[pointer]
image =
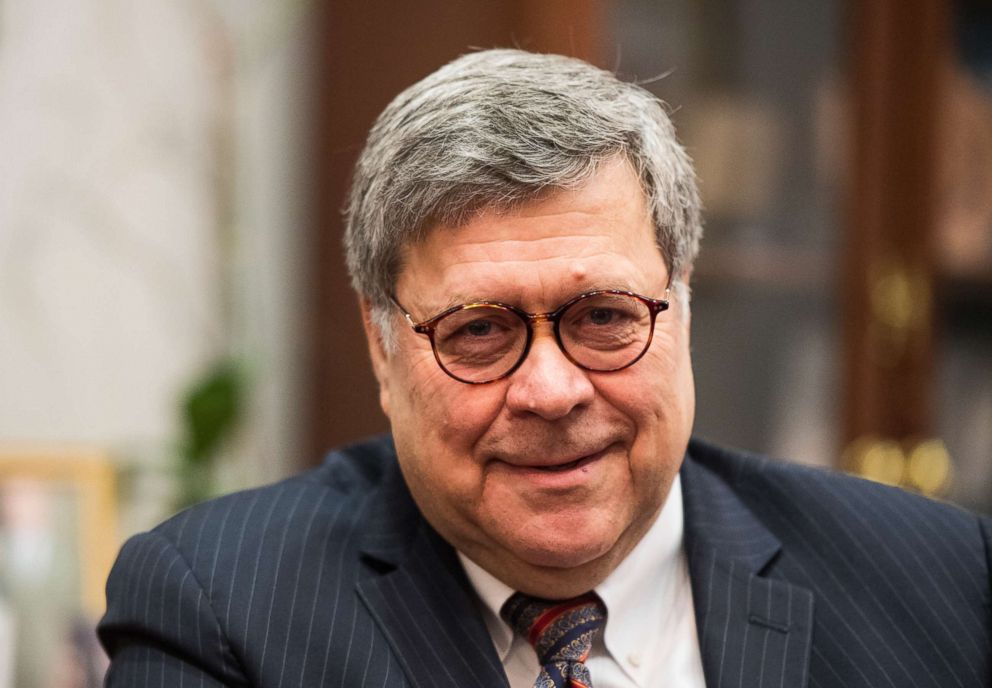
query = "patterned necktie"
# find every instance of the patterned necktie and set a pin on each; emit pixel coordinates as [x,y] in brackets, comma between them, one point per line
[561,631]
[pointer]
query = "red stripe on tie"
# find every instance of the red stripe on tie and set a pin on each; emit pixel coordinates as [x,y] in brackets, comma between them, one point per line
[548,617]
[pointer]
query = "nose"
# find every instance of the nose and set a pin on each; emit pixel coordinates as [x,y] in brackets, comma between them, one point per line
[547,384]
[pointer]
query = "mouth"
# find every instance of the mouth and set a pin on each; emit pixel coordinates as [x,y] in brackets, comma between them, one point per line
[562,467]
[553,473]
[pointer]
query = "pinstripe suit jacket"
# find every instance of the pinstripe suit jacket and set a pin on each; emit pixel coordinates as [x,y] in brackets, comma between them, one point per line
[333,578]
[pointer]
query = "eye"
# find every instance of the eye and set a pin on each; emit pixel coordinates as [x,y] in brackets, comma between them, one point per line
[478,328]
[601,316]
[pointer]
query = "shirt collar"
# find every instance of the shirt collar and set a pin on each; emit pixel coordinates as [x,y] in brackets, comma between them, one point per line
[494,593]
[643,576]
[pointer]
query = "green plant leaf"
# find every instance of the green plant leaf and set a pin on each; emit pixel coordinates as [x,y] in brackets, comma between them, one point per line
[211,410]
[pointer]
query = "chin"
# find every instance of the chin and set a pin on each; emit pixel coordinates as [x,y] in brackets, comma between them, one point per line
[560,560]
[560,550]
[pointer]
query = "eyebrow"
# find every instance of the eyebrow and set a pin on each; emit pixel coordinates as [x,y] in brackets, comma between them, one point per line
[462,299]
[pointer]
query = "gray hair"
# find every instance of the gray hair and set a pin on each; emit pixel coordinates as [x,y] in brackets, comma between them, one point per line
[494,129]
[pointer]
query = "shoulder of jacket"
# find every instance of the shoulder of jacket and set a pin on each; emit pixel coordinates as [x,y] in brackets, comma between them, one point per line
[333,495]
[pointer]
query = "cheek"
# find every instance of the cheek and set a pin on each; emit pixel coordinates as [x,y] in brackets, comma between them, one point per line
[670,369]
[437,414]
[657,395]
[468,415]
[654,388]
[436,423]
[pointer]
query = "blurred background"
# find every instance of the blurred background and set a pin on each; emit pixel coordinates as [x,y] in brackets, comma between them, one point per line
[176,320]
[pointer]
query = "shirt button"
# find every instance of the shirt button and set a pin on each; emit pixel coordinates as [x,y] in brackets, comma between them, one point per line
[634,659]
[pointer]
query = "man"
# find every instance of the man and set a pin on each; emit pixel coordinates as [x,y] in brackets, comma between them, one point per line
[521,232]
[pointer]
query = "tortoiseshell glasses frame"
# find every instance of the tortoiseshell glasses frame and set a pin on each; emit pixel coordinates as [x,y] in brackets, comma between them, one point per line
[609,300]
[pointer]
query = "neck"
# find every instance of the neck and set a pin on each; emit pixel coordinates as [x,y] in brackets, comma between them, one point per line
[552,582]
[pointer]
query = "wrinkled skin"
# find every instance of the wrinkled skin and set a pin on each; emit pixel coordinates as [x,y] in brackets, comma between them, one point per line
[475,456]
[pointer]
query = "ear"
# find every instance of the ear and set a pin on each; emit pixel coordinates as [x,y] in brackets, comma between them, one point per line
[685,301]
[378,354]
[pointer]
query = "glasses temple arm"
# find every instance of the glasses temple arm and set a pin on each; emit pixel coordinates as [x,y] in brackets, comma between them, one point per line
[406,314]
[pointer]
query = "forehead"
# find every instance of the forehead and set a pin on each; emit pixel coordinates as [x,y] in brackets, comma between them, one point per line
[597,236]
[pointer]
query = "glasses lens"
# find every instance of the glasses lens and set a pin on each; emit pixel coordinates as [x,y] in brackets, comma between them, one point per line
[480,343]
[606,331]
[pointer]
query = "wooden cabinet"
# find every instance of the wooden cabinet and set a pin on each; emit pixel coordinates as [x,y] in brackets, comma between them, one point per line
[842,303]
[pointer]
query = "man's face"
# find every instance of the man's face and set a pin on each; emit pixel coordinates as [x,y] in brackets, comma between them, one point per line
[480,459]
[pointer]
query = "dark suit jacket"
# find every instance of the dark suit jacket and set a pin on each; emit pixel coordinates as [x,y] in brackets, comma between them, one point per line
[333,578]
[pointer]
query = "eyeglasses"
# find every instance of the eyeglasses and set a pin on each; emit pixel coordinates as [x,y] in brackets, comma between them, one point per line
[602,331]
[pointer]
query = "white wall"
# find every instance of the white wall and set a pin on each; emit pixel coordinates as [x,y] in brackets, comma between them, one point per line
[113,257]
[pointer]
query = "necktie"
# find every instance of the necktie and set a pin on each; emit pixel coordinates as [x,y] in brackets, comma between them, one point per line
[561,632]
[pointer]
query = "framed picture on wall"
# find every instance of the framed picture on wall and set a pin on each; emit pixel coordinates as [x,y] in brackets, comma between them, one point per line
[58,526]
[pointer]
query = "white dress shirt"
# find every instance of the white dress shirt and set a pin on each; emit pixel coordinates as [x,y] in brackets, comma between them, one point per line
[650,637]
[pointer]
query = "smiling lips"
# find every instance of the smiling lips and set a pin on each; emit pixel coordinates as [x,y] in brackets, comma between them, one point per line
[567,466]
[556,467]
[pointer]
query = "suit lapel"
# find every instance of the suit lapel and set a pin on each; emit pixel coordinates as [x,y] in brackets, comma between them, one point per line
[422,601]
[754,630]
